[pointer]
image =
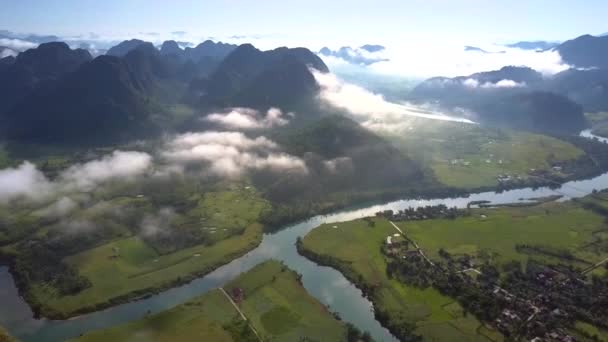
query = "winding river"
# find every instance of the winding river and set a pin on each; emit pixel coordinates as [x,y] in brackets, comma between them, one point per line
[326,284]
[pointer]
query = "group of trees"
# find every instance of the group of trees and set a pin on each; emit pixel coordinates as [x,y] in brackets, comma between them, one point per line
[440,211]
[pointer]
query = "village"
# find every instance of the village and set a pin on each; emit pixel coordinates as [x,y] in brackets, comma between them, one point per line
[537,304]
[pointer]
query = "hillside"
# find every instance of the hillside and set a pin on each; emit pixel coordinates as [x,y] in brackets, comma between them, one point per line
[515,97]
[36,68]
[585,52]
[250,77]
[104,100]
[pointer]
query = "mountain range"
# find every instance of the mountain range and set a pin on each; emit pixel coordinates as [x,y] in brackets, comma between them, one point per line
[63,95]
[54,93]
[519,97]
[537,45]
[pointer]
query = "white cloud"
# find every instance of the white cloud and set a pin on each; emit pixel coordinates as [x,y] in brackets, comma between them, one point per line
[429,59]
[504,84]
[118,165]
[59,208]
[473,83]
[24,181]
[470,83]
[27,182]
[158,224]
[339,165]
[248,119]
[8,52]
[229,154]
[17,44]
[372,110]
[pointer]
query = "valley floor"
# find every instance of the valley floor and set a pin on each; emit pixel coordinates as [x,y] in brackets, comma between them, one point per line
[267,303]
[567,234]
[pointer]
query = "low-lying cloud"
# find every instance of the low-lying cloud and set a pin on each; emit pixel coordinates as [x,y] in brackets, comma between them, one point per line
[473,83]
[249,119]
[27,182]
[230,154]
[118,165]
[372,110]
[17,44]
[159,224]
[23,181]
[424,60]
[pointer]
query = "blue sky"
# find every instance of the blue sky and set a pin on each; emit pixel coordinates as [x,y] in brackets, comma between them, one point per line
[314,22]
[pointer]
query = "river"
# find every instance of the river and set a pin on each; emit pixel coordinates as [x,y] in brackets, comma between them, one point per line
[326,284]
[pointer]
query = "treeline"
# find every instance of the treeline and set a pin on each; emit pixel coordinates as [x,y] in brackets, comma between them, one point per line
[428,212]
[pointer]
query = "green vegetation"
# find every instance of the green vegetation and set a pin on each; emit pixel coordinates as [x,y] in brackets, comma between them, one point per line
[586,331]
[355,249]
[5,337]
[472,156]
[274,302]
[118,247]
[494,234]
[566,235]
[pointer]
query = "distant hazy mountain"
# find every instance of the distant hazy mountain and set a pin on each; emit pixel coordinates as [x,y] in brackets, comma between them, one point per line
[124,47]
[474,48]
[41,38]
[539,45]
[170,47]
[250,77]
[517,97]
[372,48]
[469,48]
[104,100]
[209,48]
[363,55]
[587,87]
[36,67]
[54,94]
[585,51]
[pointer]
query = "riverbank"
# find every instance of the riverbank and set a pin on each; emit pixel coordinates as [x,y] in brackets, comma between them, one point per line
[111,291]
[406,311]
[265,303]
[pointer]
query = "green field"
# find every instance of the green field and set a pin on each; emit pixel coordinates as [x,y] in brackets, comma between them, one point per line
[5,337]
[585,332]
[471,156]
[356,248]
[492,234]
[274,302]
[565,233]
[129,266]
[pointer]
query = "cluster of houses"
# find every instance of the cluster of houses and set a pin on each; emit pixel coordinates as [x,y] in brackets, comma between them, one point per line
[535,315]
[506,178]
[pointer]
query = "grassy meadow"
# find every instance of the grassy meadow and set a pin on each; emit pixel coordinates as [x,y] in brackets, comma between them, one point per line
[274,302]
[471,156]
